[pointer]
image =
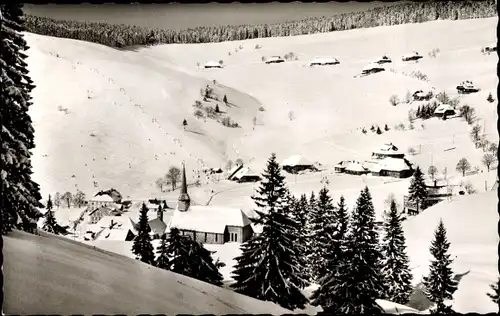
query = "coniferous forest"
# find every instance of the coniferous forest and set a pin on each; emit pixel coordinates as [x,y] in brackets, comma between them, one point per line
[127,35]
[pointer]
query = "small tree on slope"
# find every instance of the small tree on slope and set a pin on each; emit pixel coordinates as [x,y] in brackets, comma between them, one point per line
[322,230]
[50,225]
[496,292]
[395,262]
[20,197]
[142,247]
[439,285]
[269,267]
[418,191]
[162,261]
[190,258]
[334,257]
[299,214]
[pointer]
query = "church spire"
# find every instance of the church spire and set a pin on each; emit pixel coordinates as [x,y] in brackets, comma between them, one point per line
[184,200]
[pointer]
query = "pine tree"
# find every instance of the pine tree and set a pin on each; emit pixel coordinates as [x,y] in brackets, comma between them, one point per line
[322,230]
[225,99]
[395,262]
[50,225]
[162,260]
[358,281]
[190,258]
[417,190]
[334,256]
[271,267]
[496,292]
[217,108]
[142,247]
[20,198]
[440,285]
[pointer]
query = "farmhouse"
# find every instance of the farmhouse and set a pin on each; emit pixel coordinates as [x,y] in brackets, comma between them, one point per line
[209,224]
[355,168]
[384,60]
[97,214]
[393,167]
[274,60]
[387,150]
[120,228]
[212,64]
[246,175]
[297,163]
[444,110]
[413,56]
[324,61]
[340,167]
[232,172]
[420,95]
[372,68]
[100,200]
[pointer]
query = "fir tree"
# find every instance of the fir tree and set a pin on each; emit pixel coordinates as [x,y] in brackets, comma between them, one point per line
[190,258]
[418,114]
[20,198]
[496,292]
[418,190]
[162,260]
[358,282]
[142,247]
[322,230]
[271,266]
[217,108]
[50,225]
[334,257]
[224,99]
[395,262]
[440,285]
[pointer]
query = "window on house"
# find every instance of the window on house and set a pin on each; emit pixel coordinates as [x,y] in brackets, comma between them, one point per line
[216,237]
[206,237]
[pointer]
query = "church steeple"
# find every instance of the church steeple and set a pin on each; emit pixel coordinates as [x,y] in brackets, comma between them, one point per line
[184,200]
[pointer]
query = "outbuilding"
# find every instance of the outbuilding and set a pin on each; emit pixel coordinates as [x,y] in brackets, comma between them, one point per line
[297,163]
[212,64]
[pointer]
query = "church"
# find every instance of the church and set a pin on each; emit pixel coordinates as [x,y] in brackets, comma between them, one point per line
[209,224]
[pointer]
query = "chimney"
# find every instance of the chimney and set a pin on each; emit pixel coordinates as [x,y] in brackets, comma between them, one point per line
[435,183]
[160,213]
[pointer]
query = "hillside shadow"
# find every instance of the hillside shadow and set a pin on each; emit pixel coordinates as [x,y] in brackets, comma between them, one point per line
[195,132]
[134,48]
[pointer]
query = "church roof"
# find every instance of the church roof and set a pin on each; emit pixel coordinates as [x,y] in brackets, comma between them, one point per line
[209,219]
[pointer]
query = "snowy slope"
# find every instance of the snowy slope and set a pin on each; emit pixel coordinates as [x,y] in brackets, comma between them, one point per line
[114,142]
[51,275]
[471,227]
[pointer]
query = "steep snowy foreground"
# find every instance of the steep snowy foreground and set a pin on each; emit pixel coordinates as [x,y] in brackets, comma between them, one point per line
[53,275]
[123,126]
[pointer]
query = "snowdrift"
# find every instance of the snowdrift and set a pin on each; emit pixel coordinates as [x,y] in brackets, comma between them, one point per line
[51,275]
[471,224]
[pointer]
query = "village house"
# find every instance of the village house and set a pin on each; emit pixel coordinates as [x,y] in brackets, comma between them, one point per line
[233,171]
[274,60]
[100,201]
[97,214]
[209,224]
[117,228]
[444,110]
[355,168]
[246,174]
[212,64]
[392,167]
[323,61]
[297,163]
[387,150]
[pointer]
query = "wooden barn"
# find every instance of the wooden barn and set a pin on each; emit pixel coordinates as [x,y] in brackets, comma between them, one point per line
[297,163]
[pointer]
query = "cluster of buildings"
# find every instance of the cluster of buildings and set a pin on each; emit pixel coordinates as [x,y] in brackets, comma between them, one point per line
[387,161]
[109,220]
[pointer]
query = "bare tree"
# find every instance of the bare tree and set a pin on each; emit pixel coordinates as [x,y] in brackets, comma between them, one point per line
[468,113]
[463,166]
[221,62]
[394,100]
[291,115]
[229,164]
[469,188]
[476,133]
[493,149]
[68,198]
[412,151]
[432,171]
[408,96]
[79,199]
[487,160]
[239,162]
[254,121]
[172,176]
[161,183]
[57,199]
[391,197]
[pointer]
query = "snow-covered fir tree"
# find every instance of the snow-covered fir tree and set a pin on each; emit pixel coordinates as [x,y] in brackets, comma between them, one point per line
[162,260]
[325,296]
[440,284]
[311,218]
[417,191]
[322,230]
[358,281]
[190,258]
[20,198]
[395,262]
[50,224]
[142,247]
[301,215]
[270,267]
[496,292]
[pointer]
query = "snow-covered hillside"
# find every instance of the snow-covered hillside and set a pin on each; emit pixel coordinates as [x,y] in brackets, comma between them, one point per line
[123,126]
[53,275]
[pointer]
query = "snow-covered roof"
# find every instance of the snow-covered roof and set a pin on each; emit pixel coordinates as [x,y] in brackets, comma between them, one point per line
[395,308]
[354,166]
[414,54]
[443,108]
[102,198]
[245,171]
[324,60]
[372,166]
[210,219]
[233,171]
[122,222]
[296,160]
[157,226]
[372,66]
[394,164]
[274,58]
[212,63]
[387,149]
